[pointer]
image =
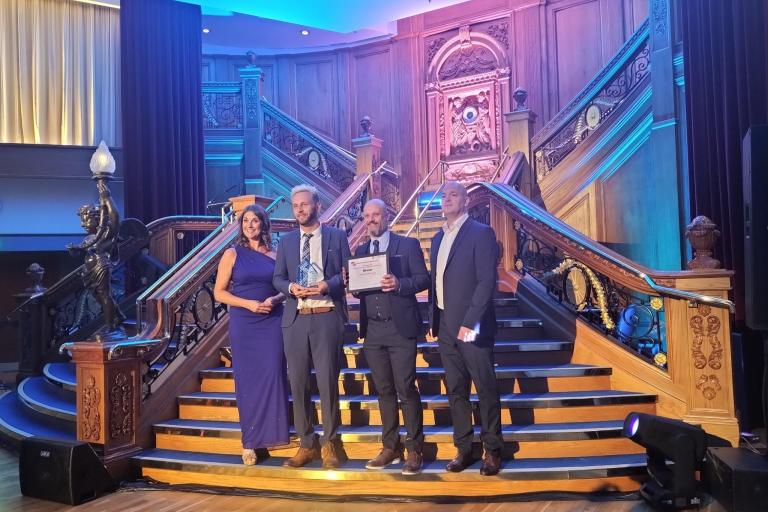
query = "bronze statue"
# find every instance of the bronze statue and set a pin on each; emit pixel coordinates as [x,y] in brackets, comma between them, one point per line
[101,222]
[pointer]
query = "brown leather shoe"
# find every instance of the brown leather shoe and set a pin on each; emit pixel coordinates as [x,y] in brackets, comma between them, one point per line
[384,459]
[334,455]
[459,463]
[303,457]
[412,464]
[491,464]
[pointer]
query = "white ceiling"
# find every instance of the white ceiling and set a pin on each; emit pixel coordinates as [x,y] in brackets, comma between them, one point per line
[274,26]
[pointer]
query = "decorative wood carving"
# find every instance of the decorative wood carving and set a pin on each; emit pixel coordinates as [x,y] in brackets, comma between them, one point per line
[659,14]
[90,422]
[433,47]
[706,329]
[500,32]
[121,421]
[467,91]
[709,386]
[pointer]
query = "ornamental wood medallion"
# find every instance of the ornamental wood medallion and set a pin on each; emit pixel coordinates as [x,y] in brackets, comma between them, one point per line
[121,406]
[90,424]
[467,88]
[706,328]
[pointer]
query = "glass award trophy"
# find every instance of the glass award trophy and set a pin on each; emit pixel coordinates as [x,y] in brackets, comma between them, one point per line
[308,274]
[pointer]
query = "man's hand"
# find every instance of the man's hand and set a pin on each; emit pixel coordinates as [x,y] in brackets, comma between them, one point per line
[322,288]
[389,283]
[345,276]
[466,334]
[301,292]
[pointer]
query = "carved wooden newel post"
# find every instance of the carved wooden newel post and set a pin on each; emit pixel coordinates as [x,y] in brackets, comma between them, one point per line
[108,398]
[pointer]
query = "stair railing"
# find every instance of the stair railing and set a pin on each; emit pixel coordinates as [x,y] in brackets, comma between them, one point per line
[594,104]
[504,158]
[67,312]
[315,155]
[439,167]
[670,328]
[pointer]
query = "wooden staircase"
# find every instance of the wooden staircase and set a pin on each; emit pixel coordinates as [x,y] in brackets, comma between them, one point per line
[562,427]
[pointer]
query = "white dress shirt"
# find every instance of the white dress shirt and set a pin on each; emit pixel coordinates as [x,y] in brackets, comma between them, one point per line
[316,258]
[449,236]
[383,242]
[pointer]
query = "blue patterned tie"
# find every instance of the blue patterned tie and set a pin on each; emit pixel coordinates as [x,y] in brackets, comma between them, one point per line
[305,261]
[375,247]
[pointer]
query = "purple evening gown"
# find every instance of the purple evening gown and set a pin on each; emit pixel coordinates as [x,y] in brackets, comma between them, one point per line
[258,361]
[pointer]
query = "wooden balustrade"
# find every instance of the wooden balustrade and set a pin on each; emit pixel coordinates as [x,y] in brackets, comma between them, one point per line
[695,383]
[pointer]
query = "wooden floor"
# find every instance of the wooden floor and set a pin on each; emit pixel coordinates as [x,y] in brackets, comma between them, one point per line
[167,501]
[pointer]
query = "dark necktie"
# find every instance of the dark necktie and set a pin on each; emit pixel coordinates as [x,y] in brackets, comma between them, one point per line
[375,247]
[305,261]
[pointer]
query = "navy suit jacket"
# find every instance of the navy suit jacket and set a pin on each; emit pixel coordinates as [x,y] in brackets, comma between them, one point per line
[336,253]
[468,282]
[406,262]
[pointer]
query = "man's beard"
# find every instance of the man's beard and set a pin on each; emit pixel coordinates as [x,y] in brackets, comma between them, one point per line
[311,219]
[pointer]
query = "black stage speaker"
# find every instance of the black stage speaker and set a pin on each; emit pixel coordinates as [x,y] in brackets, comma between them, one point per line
[755,183]
[64,471]
[738,479]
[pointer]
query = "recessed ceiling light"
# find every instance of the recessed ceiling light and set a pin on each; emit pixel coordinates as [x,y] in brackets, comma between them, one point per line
[206,30]
[304,32]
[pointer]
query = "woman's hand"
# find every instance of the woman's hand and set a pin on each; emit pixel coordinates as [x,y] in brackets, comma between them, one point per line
[260,307]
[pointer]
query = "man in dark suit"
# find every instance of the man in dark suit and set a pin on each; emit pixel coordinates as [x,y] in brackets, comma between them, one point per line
[313,324]
[390,322]
[463,259]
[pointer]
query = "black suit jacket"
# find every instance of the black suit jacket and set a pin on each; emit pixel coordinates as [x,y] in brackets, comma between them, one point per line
[406,262]
[468,282]
[336,253]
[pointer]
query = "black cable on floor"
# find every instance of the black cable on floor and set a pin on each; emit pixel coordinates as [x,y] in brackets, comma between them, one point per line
[151,485]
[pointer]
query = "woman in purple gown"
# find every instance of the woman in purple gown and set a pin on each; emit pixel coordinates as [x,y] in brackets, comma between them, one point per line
[244,282]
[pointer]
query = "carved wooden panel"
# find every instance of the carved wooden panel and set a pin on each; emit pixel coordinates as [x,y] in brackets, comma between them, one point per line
[372,88]
[638,10]
[315,87]
[575,55]
[527,61]
[580,213]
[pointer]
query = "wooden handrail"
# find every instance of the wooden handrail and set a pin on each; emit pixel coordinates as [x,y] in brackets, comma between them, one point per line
[589,91]
[497,171]
[580,247]
[349,194]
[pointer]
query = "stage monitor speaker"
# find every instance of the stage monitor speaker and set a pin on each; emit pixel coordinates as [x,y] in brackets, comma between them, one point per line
[755,184]
[64,471]
[738,479]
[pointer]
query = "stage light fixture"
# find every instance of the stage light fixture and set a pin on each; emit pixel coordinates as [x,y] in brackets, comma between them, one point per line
[206,30]
[666,440]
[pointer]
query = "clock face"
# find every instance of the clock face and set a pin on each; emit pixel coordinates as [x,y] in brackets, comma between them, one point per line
[313,159]
[202,310]
[576,287]
[592,116]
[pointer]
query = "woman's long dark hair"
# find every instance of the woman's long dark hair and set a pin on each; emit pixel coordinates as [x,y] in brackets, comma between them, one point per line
[265,237]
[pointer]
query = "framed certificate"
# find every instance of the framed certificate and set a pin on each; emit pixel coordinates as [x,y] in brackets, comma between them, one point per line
[366,272]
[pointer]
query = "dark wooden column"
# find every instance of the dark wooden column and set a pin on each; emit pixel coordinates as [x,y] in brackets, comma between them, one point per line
[108,400]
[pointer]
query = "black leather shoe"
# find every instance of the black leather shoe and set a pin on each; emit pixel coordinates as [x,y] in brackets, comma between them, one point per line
[491,464]
[459,463]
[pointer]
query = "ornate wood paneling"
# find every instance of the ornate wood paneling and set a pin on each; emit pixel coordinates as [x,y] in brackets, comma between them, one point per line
[315,86]
[372,87]
[575,54]
[552,49]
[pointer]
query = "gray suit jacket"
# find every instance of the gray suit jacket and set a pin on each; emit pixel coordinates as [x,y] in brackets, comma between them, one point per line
[335,256]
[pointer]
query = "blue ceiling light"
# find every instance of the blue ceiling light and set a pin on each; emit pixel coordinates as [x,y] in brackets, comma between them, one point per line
[338,15]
